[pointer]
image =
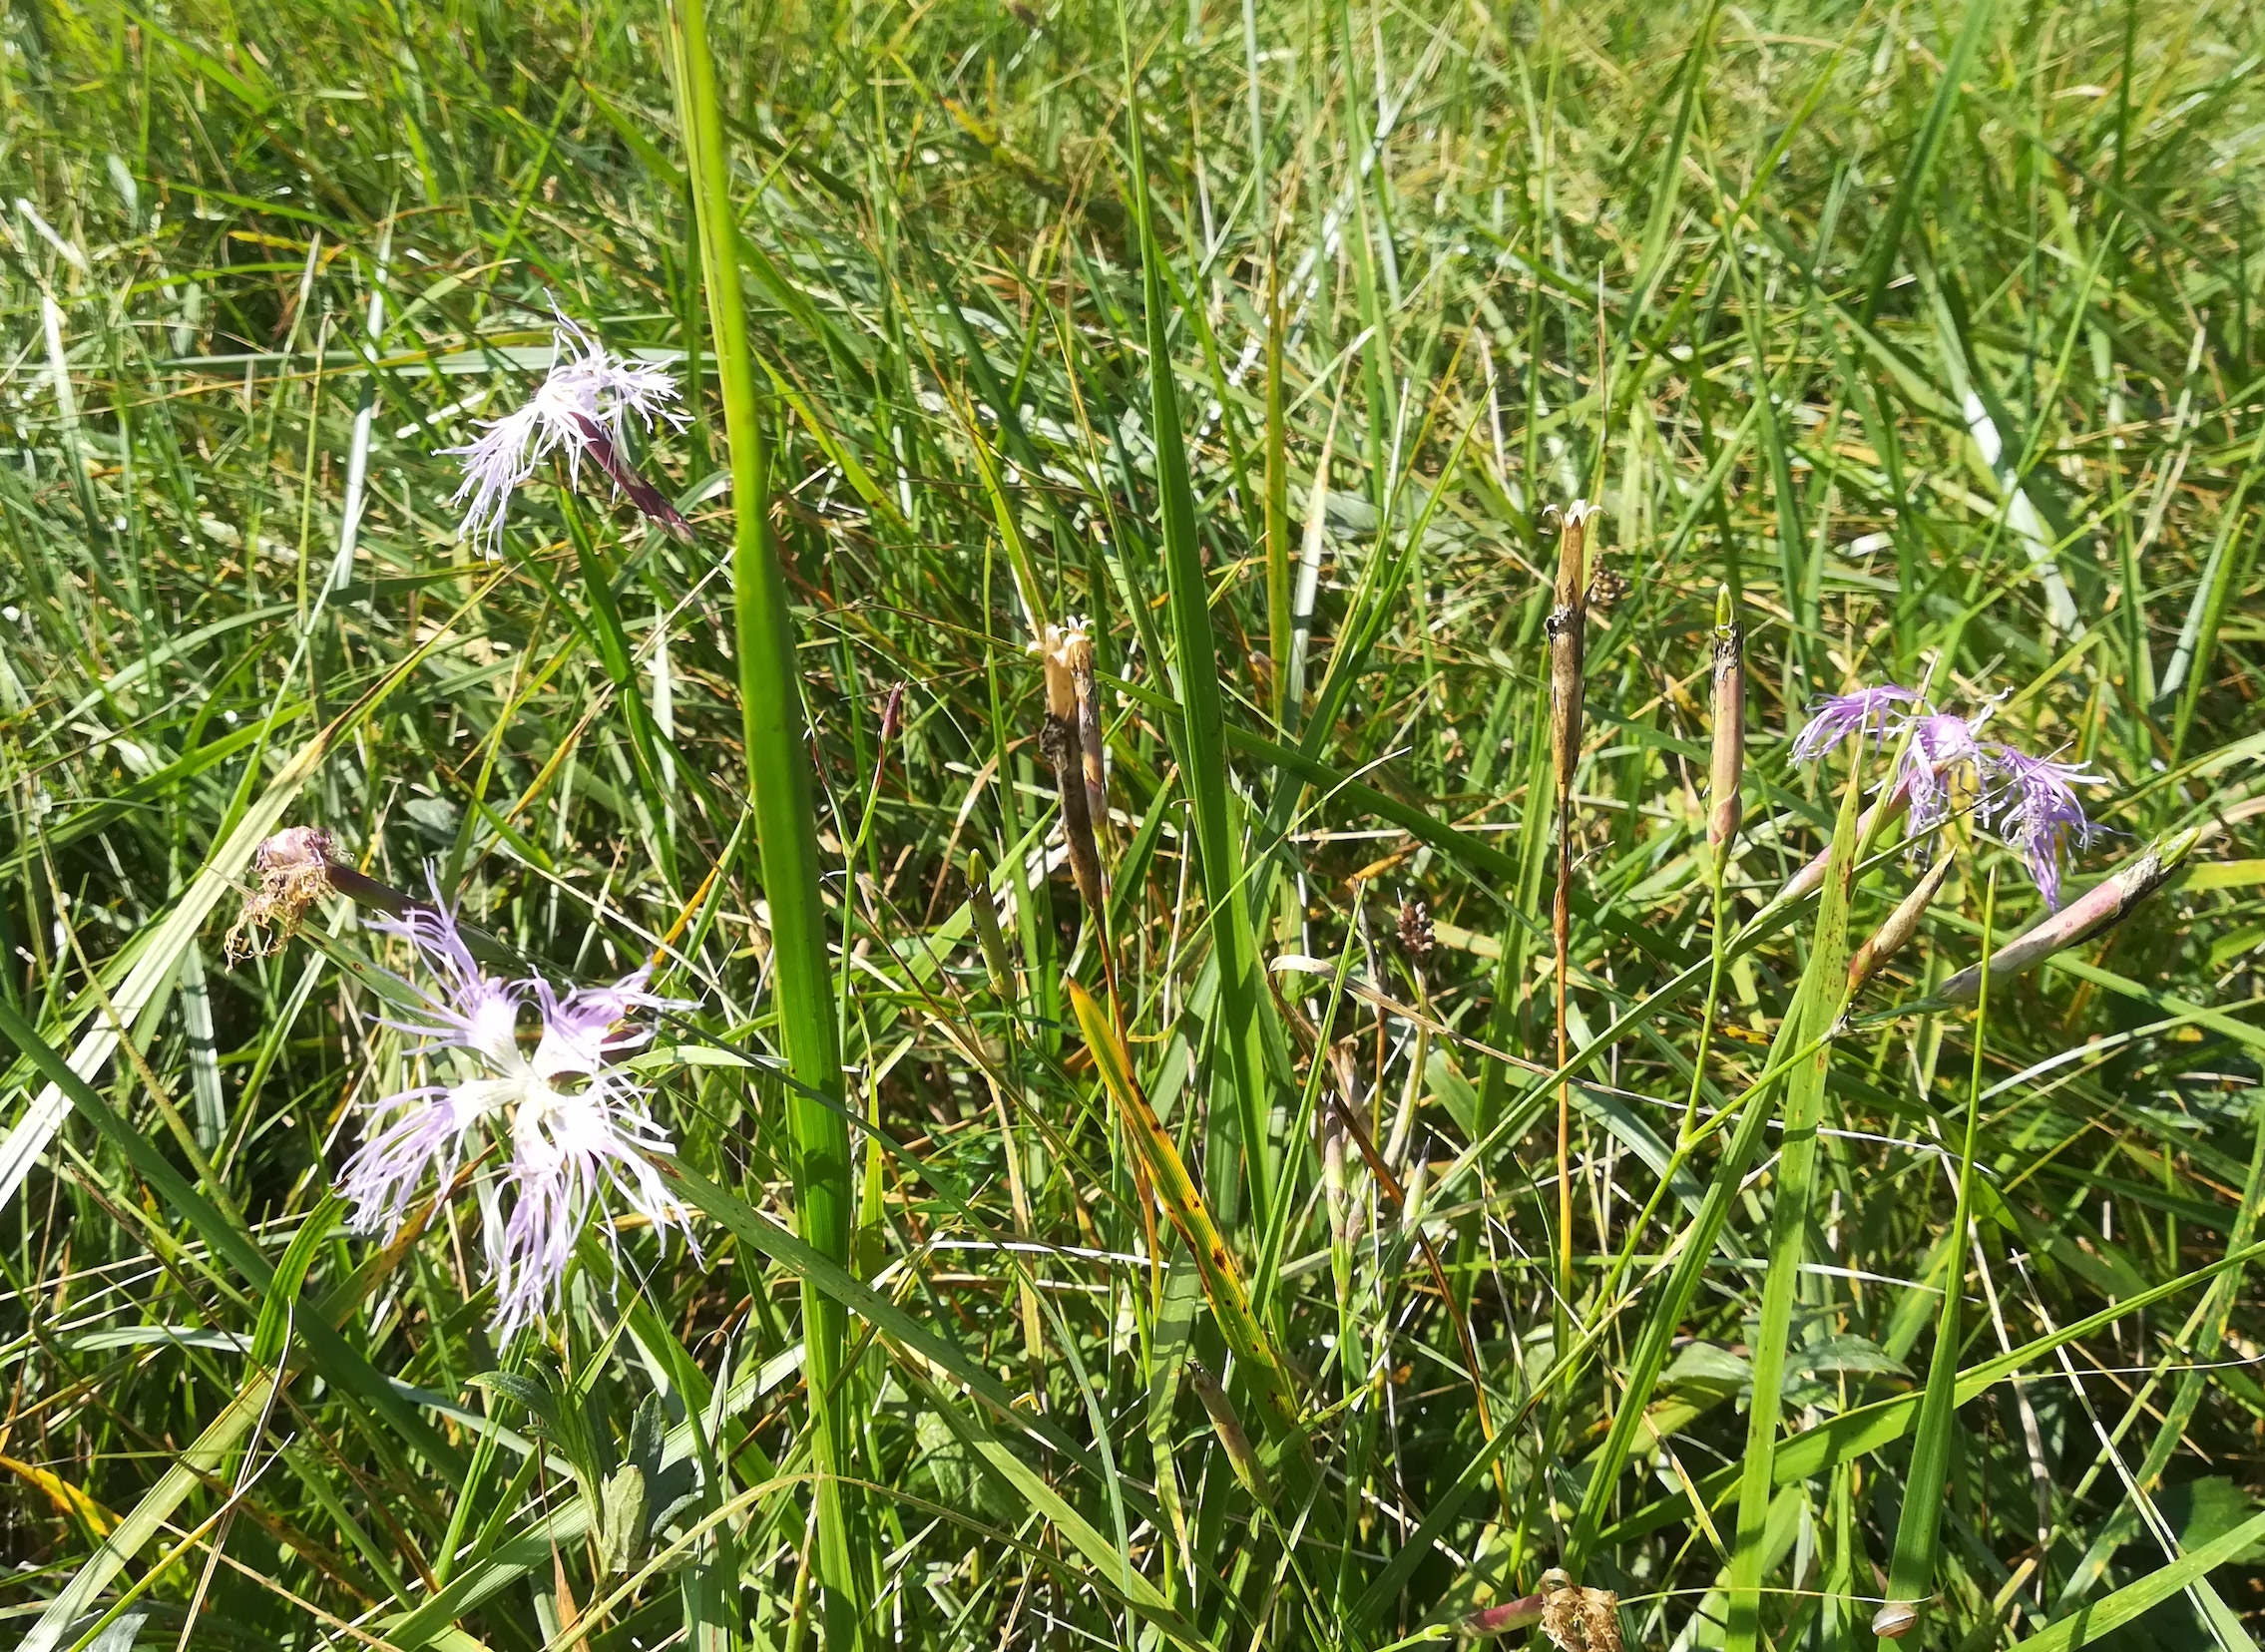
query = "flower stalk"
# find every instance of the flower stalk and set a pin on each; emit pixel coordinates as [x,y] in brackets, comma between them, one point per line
[1726,775]
[1568,627]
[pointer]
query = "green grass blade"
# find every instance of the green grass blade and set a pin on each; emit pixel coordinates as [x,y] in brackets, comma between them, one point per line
[1196,673]
[780,788]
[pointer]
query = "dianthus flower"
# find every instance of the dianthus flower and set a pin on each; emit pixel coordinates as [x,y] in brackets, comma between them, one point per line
[572,1117]
[1942,744]
[1839,716]
[2038,812]
[581,408]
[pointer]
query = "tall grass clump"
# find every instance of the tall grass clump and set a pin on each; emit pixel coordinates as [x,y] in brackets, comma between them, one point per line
[1207,826]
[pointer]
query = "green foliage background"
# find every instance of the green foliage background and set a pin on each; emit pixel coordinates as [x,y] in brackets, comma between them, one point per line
[1928,330]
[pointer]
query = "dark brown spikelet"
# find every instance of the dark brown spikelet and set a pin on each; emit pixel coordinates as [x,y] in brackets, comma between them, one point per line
[1416,938]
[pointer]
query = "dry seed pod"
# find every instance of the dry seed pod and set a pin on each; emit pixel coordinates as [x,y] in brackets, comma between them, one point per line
[1895,1620]
[1061,651]
[1568,627]
[1077,653]
[1730,724]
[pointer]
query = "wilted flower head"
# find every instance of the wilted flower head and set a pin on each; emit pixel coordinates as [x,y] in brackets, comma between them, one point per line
[1837,716]
[581,408]
[1942,744]
[295,873]
[2038,812]
[571,1118]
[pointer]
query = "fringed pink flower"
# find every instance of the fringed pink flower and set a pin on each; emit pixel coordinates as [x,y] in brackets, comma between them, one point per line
[581,409]
[1865,710]
[2030,802]
[2039,813]
[573,1118]
[1942,745]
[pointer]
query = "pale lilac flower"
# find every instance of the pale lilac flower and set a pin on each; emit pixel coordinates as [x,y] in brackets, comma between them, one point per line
[1840,716]
[581,408]
[573,1118]
[1941,744]
[2038,812]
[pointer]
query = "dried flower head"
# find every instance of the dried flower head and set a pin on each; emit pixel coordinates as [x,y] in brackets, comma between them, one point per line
[581,408]
[295,873]
[1577,1619]
[1872,710]
[2038,812]
[570,1117]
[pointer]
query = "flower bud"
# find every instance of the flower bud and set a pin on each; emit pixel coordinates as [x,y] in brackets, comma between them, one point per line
[1228,1426]
[1903,923]
[1505,1617]
[1730,724]
[984,914]
[2108,902]
[1568,627]
[1067,656]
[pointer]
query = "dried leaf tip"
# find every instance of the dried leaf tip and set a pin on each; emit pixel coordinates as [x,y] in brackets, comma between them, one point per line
[1729,764]
[295,867]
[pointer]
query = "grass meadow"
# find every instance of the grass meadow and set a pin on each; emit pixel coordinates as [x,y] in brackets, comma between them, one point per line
[1332,1104]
